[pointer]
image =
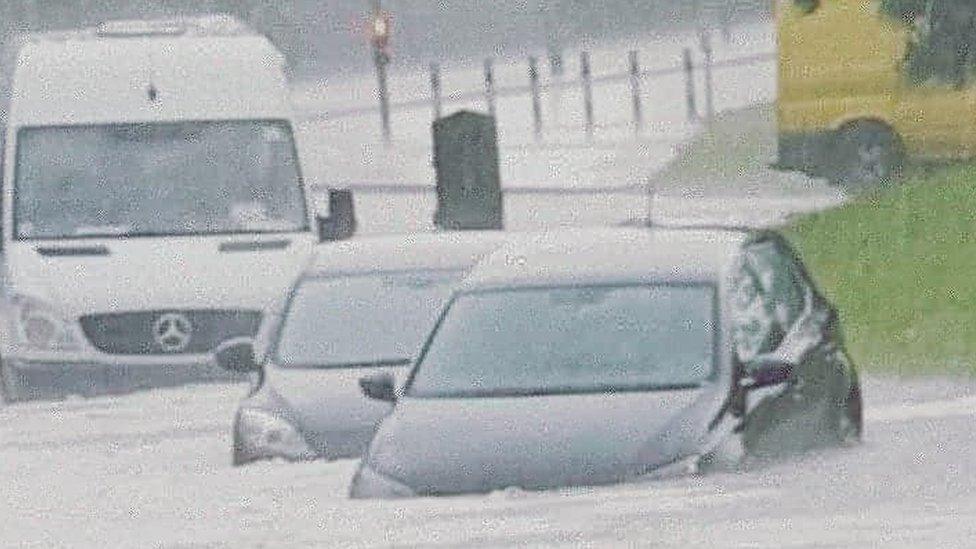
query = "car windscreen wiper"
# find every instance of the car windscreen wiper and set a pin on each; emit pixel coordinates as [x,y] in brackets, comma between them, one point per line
[102,230]
[380,363]
[566,390]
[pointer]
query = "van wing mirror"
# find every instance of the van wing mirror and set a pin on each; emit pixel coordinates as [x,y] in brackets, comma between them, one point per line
[341,222]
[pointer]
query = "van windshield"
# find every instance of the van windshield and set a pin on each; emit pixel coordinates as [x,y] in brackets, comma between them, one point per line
[152,179]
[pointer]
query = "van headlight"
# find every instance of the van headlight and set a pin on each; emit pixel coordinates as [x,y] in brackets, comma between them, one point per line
[369,484]
[260,434]
[35,325]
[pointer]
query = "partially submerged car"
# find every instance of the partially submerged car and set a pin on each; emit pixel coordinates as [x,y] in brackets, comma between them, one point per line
[588,358]
[364,306]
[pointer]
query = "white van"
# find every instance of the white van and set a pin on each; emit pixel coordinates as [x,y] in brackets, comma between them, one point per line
[153,204]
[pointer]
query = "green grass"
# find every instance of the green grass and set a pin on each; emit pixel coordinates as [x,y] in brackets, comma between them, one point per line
[900,264]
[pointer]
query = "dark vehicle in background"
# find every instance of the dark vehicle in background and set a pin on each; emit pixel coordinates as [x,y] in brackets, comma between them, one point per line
[364,307]
[865,86]
[586,358]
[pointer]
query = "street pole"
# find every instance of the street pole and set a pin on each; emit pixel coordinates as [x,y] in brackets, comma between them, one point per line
[380,60]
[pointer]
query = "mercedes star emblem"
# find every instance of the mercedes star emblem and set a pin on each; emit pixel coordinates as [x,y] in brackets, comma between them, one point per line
[173,332]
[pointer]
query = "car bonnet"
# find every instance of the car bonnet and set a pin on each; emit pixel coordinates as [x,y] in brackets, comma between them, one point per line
[457,445]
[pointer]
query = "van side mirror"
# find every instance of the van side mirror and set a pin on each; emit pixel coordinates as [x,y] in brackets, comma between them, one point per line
[237,355]
[341,222]
[379,387]
[766,371]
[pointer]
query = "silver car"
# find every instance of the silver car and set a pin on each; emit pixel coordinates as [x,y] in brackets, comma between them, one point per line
[604,356]
[363,307]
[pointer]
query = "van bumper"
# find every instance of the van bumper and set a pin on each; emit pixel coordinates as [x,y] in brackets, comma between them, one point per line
[807,152]
[31,379]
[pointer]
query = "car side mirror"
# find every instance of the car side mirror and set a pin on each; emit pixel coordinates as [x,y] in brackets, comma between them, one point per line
[379,387]
[237,355]
[766,371]
[341,222]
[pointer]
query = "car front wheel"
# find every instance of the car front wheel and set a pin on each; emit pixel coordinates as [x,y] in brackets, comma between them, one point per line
[850,420]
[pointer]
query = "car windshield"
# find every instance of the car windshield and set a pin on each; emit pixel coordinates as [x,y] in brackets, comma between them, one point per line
[571,340]
[157,179]
[362,320]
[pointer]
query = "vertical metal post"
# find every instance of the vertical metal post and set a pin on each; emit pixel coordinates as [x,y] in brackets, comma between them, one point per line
[706,45]
[651,204]
[728,18]
[586,78]
[697,14]
[435,89]
[635,76]
[382,92]
[554,88]
[30,16]
[490,88]
[690,86]
[536,105]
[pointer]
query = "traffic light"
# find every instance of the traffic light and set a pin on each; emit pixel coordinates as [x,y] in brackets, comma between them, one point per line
[380,28]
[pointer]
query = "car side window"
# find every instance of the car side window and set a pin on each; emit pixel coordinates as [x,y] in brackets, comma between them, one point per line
[769,295]
[784,279]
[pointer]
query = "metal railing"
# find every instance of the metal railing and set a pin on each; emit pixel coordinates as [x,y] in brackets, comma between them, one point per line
[637,76]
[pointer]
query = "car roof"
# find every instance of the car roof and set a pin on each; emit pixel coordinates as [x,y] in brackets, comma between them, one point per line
[613,255]
[448,250]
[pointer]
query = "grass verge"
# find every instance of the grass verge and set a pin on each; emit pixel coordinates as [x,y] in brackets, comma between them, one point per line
[900,264]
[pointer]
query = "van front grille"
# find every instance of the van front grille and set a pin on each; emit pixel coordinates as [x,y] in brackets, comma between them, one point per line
[168,332]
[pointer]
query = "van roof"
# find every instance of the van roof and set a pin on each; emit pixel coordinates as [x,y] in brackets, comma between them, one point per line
[207,68]
[206,25]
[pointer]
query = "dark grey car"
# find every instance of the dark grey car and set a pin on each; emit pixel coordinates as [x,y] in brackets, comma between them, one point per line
[596,357]
[364,306]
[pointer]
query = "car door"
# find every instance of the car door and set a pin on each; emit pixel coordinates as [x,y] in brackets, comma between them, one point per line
[777,312]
